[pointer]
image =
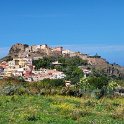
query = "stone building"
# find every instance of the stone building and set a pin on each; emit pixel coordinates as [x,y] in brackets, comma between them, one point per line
[58,50]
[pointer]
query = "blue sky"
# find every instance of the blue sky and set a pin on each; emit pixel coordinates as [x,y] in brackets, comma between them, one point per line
[89,26]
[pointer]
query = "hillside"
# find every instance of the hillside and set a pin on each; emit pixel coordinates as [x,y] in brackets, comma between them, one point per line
[96,63]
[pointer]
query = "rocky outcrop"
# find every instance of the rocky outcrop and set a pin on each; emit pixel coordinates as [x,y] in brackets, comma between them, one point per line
[24,50]
[17,49]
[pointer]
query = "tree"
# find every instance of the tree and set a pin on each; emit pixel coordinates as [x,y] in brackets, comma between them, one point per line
[43,63]
[91,83]
[111,86]
[84,84]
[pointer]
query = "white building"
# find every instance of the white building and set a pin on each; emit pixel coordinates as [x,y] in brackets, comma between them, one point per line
[67,52]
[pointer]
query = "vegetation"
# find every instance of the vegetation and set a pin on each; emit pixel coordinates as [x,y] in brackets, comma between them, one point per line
[94,82]
[60,110]
[89,100]
[68,65]
[50,102]
[85,86]
[43,63]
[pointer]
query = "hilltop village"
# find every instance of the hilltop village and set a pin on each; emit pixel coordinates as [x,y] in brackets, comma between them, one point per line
[21,63]
[22,56]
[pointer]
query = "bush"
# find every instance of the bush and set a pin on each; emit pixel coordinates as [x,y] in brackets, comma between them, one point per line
[9,90]
[119,113]
[77,114]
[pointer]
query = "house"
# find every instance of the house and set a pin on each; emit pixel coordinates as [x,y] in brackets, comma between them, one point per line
[23,67]
[56,63]
[67,52]
[46,74]
[57,75]
[4,64]
[86,72]
[67,83]
[17,66]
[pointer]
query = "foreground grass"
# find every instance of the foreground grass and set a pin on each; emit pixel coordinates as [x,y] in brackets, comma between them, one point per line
[60,110]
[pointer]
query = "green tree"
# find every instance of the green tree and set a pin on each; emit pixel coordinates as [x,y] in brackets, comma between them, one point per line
[91,83]
[111,86]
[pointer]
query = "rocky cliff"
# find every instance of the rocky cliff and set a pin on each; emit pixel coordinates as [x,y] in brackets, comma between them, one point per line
[17,49]
[24,50]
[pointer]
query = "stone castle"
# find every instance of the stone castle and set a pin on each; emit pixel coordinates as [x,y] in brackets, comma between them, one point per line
[34,51]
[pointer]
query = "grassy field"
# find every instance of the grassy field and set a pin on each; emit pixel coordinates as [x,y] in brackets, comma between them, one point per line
[60,110]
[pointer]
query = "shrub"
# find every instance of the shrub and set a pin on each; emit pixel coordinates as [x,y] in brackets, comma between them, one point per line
[89,103]
[119,113]
[9,90]
[111,87]
[77,114]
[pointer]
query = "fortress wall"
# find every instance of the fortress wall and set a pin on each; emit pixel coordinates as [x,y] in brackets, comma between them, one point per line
[35,48]
[58,49]
[43,46]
